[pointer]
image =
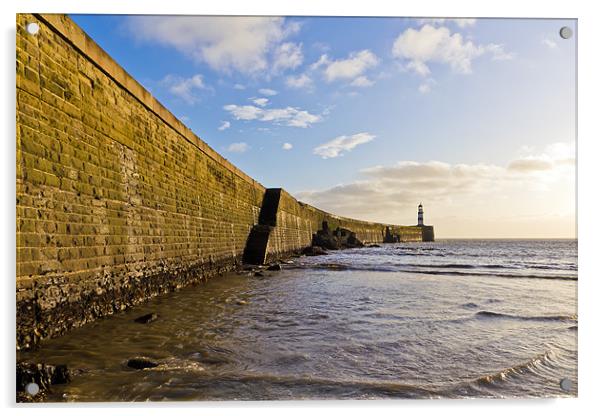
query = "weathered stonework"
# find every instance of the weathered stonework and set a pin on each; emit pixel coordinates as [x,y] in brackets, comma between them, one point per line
[117,201]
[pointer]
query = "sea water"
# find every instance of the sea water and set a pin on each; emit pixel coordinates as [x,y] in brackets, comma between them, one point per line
[449,319]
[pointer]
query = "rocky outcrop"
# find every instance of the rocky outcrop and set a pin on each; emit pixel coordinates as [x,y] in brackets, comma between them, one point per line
[336,239]
[42,376]
[390,237]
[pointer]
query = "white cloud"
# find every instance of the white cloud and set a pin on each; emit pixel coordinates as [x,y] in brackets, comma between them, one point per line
[289,116]
[362,82]
[225,125]
[268,92]
[238,147]
[262,102]
[292,116]
[184,88]
[320,62]
[287,146]
[498,53]
[464,199]
[554,155]
[239,87]
[344,69]
[301,81]
[335,147]
[434,173]
[549,43]
[225,43]
[287,56]
[426,86]
[439,45]
[244,112]
[465,22]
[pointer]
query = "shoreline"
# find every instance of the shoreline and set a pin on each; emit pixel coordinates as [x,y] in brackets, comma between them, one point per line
[227,325]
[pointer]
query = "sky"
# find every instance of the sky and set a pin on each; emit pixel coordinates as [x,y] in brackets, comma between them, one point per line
[368,117]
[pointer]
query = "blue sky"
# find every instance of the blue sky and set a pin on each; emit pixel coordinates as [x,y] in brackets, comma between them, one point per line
[367,117]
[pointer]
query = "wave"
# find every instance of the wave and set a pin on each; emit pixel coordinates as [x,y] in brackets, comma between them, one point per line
[419,268]
[464,266]
[509,275]
[410,248]
[530,366]
[545,267]
[423,254]
[485,266]
[561,318]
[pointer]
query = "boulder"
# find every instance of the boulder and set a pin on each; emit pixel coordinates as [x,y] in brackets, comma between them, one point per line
[274,267]
[335,240]
[146,319]
[140,363]
[325,240]
[352,241]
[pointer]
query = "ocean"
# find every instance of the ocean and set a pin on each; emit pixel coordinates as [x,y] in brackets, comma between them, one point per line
[449,319]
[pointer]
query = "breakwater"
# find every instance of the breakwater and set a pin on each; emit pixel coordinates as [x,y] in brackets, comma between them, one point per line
[118,201]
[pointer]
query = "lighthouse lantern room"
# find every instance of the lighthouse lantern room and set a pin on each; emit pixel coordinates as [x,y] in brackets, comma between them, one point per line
[420,215]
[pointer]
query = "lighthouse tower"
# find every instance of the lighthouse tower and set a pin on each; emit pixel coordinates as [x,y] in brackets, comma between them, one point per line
[420,215]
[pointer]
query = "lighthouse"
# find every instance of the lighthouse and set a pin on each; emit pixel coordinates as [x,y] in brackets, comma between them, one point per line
[420,215]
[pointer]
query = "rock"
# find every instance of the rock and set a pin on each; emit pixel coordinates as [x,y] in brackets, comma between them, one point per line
[373,245]
[352,241]
[258,274]
[140,363]
[242,302]
[147,319]
[390,237]
[24,397]
[274,267]
[44,375]
[314,251]
[61,375]
[325,240]
[335,240]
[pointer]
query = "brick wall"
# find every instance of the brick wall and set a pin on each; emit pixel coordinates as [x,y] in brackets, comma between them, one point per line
[297,222]
[112,191]
[117,201]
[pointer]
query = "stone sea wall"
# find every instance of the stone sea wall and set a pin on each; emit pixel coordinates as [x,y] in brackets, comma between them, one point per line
[297,222]
[117,201]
